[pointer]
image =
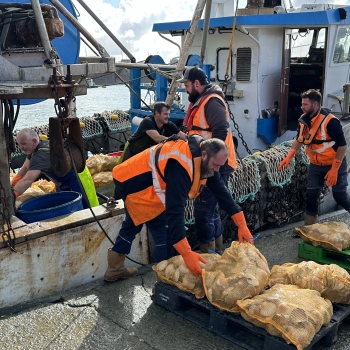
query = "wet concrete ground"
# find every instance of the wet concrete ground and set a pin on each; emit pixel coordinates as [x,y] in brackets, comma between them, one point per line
[121,315]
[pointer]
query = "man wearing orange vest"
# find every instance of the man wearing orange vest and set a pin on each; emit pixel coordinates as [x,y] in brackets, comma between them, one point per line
[161,179]
[326,146]
[208,116]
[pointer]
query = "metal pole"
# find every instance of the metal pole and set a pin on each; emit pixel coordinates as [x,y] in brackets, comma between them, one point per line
[111,35]
[205,29]
[101,50]
[346,102]
[49,53]
[145,65]
[4,173]
[88,45]
[173,42]
[186,48]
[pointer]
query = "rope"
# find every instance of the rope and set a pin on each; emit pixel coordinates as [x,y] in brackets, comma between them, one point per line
[231,41]
[132,90]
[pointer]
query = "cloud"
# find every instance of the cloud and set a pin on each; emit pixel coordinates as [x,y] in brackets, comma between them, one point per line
[132,23]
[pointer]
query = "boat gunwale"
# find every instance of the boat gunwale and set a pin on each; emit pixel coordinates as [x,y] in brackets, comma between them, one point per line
[28,232]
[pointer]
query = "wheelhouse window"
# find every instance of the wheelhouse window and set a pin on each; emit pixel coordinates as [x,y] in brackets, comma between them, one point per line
[342,46]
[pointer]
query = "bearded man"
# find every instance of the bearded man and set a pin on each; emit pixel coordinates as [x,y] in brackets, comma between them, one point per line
[322,134]
[155,185]
[208,116]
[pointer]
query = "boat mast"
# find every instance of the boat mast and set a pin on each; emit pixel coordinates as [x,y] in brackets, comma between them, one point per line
[186,48]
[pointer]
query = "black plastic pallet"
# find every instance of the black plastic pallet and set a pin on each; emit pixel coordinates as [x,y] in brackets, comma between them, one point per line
[235,328]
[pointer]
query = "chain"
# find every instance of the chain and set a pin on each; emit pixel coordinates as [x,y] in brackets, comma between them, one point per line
[237,128]
[62,105]
[5,220]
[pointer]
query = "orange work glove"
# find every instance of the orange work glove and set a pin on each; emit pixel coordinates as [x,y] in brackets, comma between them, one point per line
[191,258]
[332,175]
[15,179]
[285,162]
[243,230]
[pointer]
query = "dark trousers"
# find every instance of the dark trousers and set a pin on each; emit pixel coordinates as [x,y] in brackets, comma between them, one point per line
[158,229]
[207,216]
[315,184]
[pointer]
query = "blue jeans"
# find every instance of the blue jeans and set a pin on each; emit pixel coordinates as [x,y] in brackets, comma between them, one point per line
[315,183]
[207,216]
[158,229]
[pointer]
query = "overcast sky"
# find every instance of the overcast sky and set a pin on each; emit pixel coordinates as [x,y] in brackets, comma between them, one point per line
[131,22]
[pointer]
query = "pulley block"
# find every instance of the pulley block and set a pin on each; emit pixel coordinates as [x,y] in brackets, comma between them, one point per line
[66,146]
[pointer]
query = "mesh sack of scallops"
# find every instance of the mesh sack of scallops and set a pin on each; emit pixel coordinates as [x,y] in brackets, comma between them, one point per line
[241,273]
[174,271]
[332,281]
[101,162]
[104,178]
[37,188]
[289,312]
[331,235]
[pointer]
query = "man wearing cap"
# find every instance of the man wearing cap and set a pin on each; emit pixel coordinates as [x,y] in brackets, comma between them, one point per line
[208,116]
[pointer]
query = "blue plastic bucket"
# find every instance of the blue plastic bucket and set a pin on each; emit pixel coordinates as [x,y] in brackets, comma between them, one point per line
[49,206]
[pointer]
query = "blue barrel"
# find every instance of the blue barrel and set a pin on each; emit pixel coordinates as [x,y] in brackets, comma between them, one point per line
[49,206]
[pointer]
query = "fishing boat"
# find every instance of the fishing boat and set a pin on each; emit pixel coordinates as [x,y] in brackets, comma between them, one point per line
[91,83]
[262,85]
[273,55]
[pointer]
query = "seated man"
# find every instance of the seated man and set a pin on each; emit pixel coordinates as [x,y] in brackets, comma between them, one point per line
[151,131]
[38,161]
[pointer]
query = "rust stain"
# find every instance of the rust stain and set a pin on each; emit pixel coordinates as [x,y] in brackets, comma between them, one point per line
[90,244]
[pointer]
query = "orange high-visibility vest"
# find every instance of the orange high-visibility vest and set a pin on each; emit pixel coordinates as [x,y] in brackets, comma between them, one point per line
[149,201]
[201,127]
[319,145]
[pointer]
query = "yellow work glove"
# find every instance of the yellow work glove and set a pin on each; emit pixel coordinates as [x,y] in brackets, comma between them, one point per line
[243,230]
[16,179]
[285,162]
[191,258]
[332,175]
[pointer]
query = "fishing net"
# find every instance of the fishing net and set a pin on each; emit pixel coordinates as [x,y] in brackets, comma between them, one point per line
[332,281]
[115,120]
[189,218]
[289,312]
[332,235]
[241,273]
[174,271]
[244,182]
[271,159]
[91,128]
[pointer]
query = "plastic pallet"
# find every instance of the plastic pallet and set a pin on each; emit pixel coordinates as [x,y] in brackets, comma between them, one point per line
[235,328]
[324,256]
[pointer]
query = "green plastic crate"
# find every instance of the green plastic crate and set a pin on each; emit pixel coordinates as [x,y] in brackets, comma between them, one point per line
[324,256]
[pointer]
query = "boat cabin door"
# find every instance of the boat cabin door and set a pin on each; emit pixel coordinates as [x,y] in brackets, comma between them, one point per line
[303,65]
[284,84]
